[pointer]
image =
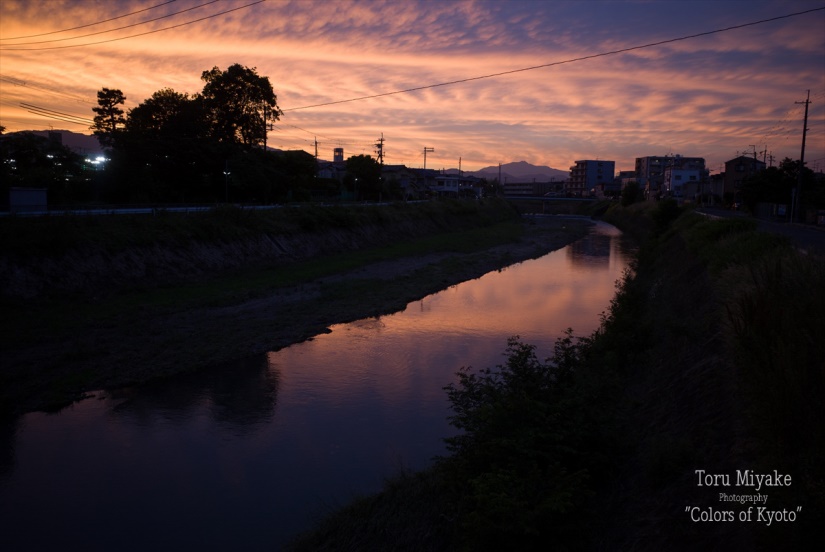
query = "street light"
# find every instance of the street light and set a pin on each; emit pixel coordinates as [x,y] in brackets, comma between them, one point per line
[226,174]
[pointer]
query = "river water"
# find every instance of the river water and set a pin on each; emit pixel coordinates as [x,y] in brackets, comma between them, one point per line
[245,456]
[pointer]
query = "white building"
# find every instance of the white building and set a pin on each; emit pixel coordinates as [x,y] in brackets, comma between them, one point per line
[682,183]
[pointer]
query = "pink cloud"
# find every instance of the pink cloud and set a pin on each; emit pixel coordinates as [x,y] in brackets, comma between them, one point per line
[715,94]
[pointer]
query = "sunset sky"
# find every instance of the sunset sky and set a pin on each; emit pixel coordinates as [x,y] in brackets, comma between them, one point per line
[713,96]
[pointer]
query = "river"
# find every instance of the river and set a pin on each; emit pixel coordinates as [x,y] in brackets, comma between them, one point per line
[244,456]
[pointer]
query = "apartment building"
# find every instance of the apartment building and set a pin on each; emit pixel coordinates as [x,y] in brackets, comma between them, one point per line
[650,171]
[589,176]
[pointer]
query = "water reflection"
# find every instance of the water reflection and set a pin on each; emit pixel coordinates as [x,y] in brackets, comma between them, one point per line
[238,396]
[245,456]
[602,249]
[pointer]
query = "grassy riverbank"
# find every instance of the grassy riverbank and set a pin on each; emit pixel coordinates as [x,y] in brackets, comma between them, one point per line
[54,235]
[56,348]
[710,358]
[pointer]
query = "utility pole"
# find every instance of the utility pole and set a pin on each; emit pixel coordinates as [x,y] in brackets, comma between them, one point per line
[426,149]
[267,127]
[425,156]
[379,150]
[797,202]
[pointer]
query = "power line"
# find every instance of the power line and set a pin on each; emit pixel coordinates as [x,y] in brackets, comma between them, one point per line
[780,130]
[89,24]
[134,35]
[117,28]
[552,64]
[317,135]
[18,82]
[58,118]
[58,115]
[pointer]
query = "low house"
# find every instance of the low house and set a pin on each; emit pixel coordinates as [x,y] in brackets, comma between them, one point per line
[406,180]
[737,170]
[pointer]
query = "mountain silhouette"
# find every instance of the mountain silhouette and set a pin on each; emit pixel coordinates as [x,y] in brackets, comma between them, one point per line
[522,171]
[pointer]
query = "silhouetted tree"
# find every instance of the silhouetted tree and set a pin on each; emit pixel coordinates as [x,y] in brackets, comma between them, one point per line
[166,140]
[631,193]
[237,101]
[168,113]
[177,147]
[109,119]
[365,173]
[777,185]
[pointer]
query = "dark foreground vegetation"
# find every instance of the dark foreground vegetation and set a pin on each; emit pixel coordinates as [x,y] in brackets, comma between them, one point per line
[709,358]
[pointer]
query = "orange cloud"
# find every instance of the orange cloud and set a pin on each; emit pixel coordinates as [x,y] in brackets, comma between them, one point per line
[711,96]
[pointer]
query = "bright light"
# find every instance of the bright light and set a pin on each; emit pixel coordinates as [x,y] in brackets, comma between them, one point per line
[99,160]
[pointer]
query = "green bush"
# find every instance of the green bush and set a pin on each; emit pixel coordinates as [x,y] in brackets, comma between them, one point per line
[631,194]
[521,466]
[665,213]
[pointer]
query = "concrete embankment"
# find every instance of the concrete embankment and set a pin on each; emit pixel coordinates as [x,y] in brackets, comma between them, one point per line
[110,253]
[57,345]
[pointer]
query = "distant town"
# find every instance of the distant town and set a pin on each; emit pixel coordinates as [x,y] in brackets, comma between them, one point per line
[680,177]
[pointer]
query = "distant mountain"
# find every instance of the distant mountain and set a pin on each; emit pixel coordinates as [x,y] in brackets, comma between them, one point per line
[522,171]
[84,144]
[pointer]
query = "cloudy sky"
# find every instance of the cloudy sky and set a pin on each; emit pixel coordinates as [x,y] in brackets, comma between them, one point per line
[486,82]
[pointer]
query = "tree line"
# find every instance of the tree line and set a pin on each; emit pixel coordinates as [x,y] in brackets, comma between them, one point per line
[174,147]
[204,147]
[778,185]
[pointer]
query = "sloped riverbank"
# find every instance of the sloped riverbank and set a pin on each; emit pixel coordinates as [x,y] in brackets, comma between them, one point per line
[707,364]
[94,256]
[56,349]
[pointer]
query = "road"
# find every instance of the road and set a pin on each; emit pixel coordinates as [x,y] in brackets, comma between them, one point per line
[806,237]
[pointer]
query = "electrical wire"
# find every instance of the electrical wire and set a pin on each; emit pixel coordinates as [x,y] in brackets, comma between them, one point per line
[50,112]
[555,63]
[7,48]
[117,28]
[781,128]
[90,24]
[53,112]
[18,82]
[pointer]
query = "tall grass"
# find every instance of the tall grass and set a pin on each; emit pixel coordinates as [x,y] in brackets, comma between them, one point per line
[776,323]
[711,355]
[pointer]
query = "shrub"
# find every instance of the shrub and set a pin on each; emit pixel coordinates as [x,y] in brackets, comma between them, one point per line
[520,467]
[666,212]
[631,194]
